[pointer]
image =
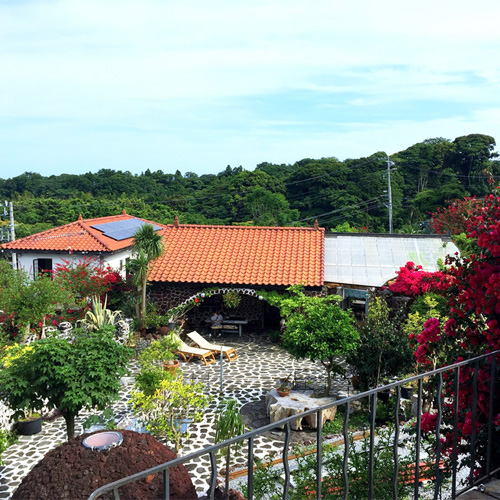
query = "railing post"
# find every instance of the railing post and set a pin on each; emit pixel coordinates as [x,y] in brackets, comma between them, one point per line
[373,407]
[437,486]
[250,469]
[286,465]
[395,444]
[213,474]
[474,430]
[166,484]
[454,451]
[346,450]
[493,374]
[418,438]
[319,452]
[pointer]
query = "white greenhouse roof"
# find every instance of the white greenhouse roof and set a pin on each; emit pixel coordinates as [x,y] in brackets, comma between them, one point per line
[373,259]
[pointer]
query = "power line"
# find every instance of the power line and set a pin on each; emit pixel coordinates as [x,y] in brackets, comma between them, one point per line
[343,209]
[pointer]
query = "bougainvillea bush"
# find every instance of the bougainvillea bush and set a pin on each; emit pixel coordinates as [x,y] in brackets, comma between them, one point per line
[471,286]
[84,279]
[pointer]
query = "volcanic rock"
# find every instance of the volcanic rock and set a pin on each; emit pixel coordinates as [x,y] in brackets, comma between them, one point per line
[73,472]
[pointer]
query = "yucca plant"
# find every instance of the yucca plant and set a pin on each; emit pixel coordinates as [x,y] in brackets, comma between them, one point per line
[228,424]
[100,315]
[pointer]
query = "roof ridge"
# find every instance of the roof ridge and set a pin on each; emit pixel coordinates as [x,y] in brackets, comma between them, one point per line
[217,226]
[38,236]
[119,216]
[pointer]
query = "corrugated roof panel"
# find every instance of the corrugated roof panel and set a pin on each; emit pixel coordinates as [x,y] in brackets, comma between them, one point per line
[374,259]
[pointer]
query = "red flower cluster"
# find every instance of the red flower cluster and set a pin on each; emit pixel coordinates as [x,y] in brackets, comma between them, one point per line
[87,277]
[428,422]
[413,281]
[454,219]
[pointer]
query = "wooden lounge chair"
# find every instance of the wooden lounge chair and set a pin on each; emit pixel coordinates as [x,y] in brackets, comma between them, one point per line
[229,352]
[188,353]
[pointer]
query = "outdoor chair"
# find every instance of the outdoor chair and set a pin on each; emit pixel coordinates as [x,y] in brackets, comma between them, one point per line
[229,352]
[188,353]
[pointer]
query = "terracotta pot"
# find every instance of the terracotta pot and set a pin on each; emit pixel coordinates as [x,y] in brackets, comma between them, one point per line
[171,367]
[284,393]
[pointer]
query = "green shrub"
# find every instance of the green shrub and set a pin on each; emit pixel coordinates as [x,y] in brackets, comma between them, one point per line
[7,439]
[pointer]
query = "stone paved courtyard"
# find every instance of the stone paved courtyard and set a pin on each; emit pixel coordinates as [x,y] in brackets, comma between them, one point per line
[256,371]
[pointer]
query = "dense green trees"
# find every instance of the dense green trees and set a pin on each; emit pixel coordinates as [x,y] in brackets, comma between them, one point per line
[429,174]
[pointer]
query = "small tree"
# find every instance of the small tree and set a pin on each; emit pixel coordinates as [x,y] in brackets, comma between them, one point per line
[316,328]
[228,424]
[172,402]
[68,376]
[383,349]
[28,302]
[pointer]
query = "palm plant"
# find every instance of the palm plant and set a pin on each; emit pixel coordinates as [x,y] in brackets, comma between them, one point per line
[148,246]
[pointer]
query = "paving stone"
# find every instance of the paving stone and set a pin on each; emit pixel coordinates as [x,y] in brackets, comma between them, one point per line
[259,366]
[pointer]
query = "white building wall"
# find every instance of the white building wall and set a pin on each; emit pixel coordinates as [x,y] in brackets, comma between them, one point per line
[115,260]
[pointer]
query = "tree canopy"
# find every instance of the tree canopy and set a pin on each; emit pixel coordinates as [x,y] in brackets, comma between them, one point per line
[428,174]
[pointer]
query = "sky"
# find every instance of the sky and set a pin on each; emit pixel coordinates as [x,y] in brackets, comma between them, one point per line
[198,85]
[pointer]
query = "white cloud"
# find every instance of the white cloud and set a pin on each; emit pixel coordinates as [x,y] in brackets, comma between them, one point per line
[148,66]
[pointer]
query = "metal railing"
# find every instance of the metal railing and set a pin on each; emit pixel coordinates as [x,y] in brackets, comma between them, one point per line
[453,378]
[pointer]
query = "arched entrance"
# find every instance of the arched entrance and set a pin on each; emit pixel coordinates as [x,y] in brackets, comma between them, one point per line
[252,308]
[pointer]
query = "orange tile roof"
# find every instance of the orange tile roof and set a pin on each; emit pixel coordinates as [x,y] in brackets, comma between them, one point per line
[241,255]
[77,236]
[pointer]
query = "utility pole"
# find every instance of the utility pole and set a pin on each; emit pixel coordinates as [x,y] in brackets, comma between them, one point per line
[12,233]
[389,192]
[9,234]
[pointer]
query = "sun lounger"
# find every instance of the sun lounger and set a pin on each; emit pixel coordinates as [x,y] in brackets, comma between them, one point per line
[188,353]
[229,352]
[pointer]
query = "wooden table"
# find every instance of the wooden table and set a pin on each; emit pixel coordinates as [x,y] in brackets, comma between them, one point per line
[237,322]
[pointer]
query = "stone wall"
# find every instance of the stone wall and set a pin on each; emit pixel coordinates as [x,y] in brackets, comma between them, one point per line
[166,296]
[5,414]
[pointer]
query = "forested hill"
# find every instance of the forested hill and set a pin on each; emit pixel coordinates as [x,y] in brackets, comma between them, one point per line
[337,193]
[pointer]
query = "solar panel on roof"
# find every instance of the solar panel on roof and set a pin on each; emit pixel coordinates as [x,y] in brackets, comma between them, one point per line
[123,229]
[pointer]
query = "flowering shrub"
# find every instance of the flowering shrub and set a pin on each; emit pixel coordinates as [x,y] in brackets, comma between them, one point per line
[454,218]
[471,286]
[83,280]
[86,278]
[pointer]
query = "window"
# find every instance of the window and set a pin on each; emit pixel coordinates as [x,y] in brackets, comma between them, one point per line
[42,266]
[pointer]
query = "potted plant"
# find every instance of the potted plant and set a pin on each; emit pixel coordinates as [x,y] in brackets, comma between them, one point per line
[161,352]
[30,423]
[285,386]
[407,391]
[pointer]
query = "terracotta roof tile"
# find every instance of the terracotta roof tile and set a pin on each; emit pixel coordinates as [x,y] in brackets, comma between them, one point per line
[77,236]
[241,255]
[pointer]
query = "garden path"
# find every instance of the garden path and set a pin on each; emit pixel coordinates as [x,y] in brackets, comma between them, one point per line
[258,367]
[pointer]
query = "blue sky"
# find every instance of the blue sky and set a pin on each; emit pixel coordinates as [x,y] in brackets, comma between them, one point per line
[198,85]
